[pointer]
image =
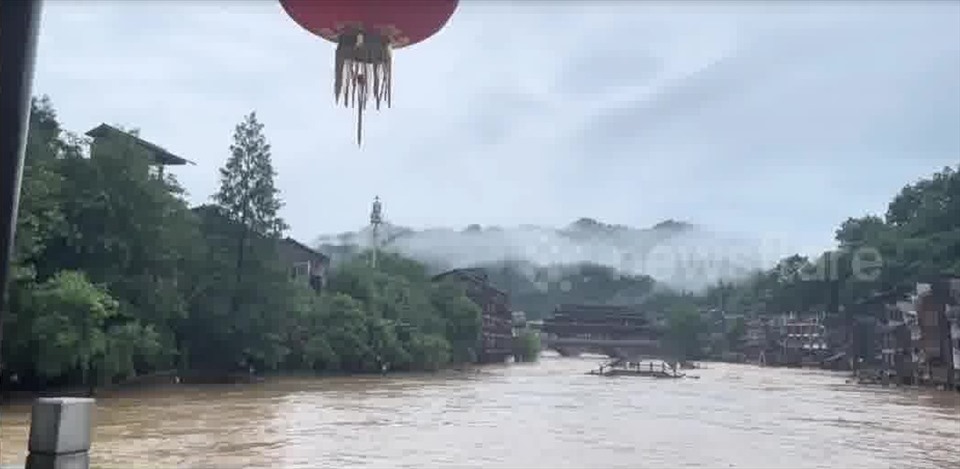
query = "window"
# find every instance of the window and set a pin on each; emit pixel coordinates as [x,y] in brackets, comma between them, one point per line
[300,270]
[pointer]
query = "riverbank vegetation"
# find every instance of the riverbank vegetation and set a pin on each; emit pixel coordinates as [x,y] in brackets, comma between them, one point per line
[115,276]
[877,258]
[916,240]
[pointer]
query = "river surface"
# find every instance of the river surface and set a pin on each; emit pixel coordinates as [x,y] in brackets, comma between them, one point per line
[548,414]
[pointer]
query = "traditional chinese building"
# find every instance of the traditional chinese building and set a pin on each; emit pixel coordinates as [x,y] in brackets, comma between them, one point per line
[953,317]
[805,340]
[159,157]
[613,322]
[896,344]
[936,344]
[303,263]
[496,343]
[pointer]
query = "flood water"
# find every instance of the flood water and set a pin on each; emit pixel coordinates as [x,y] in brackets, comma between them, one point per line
[548,414]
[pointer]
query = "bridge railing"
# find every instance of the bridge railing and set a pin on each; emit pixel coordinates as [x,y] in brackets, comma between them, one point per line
[587,342]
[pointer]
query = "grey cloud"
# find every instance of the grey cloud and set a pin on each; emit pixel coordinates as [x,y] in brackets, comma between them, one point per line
[530,113]
[607,64]
[718,87]
[492,119]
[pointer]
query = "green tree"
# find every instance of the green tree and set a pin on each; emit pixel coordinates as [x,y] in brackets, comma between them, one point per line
[684,327]
[527,346]
[69,321]
[247,193]
[115,276]
[40,217]
[463,318]
[108,216]
[345,330]
[428,351]
[248,274]
[247,196]
[735,333]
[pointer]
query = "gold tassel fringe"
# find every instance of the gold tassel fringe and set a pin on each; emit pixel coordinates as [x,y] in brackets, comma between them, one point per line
[361,68]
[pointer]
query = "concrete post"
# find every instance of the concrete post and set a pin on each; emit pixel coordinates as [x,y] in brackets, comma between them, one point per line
[60,430]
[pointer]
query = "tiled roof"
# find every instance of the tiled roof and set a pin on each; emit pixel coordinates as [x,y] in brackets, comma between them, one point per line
[160,155]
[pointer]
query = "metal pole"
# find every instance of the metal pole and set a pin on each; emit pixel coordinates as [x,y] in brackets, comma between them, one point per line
[19,24]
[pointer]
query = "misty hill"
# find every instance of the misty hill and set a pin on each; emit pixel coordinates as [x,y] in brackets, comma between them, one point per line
[675,253]
[536,290]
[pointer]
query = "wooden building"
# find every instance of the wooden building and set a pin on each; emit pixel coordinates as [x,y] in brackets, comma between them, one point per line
[104,134]
[805,340]
[303,263]
[496,343]
[936,345]
[613,322]
[306,264]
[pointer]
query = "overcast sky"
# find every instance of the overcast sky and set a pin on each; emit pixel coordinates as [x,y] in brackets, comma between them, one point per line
[775,118]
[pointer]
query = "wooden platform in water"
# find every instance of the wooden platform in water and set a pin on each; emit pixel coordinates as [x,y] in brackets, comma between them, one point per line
[635,372]
[649,370]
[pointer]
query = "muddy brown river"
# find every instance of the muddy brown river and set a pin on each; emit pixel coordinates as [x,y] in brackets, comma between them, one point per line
[548,414]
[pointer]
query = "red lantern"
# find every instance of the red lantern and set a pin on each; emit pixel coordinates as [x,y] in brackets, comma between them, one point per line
[365,32]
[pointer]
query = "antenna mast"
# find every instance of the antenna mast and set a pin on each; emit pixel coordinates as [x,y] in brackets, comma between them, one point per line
[376,219]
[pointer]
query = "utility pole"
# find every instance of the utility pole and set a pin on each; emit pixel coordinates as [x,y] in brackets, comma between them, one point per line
[376,219]
[19,24]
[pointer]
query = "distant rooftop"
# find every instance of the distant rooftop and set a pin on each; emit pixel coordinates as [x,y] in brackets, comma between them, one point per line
[303,247]
[160,155]
[473,274]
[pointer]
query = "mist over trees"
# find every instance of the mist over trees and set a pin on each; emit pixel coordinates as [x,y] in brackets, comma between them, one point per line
[115,276]
[916,240]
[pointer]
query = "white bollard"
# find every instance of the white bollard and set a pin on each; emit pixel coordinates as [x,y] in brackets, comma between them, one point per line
[60,430]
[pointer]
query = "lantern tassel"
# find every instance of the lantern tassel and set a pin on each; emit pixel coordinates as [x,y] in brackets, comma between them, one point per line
[361,67]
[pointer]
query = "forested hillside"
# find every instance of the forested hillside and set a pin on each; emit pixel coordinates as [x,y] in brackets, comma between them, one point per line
[537,290]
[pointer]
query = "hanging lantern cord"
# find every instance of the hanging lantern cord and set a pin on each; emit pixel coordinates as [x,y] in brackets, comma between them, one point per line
[362,93]
[362,66]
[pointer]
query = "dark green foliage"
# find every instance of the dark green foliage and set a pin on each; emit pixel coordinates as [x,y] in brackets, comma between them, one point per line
[527,346]
[684,327]
[917,241]
[116,277]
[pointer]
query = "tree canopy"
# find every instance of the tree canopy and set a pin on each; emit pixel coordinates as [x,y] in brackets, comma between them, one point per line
[917,240]
[116,276]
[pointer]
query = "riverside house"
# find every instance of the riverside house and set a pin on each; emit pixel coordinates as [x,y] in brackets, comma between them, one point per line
[497,336]
[306,264]
[936,347]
